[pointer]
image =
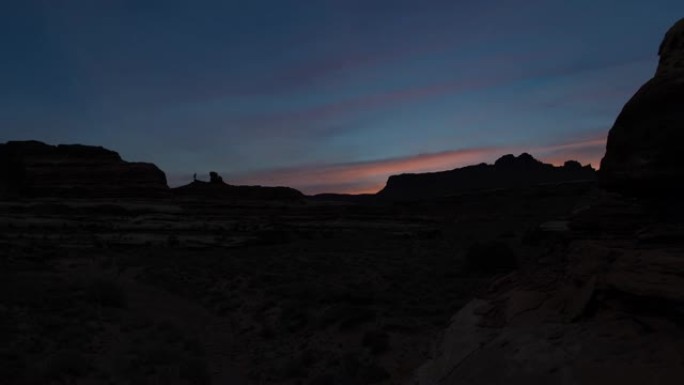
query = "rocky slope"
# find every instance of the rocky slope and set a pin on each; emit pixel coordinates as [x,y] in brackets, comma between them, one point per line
[643,151]
[36,169]
[605,305]
[605,309]
[507,172]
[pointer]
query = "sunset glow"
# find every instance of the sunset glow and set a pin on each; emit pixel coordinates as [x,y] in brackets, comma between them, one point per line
[370,177]
[325,96]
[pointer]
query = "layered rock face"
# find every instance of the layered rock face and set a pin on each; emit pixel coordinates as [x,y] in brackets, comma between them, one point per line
[35,169]
[508,171]
[643,153]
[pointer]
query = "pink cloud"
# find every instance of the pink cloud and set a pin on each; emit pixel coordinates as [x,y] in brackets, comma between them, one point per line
[363,177]
[370,176]
[369,102]
[587,151]
[387,98]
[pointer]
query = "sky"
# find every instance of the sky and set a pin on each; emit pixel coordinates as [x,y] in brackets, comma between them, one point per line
[325,95]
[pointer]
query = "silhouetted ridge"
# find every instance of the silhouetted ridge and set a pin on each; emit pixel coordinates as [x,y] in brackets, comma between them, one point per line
[508,171]
[216,188]
[35,169]
[524,160]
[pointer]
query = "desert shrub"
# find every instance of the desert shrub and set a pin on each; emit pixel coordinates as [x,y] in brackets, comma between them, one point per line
[194,347]
[267,332]
[357,315]
[346,316]
[172,240]
[323,379]
[332,315]
[195,371]
[372,373]
[491,257]
[106,292]
[294,316]
[169,332]
[351,363]
[533,236]
[376,340]
[14,367]
[66,365]
[363,372]
[270,237]
[293,368]
[160,355]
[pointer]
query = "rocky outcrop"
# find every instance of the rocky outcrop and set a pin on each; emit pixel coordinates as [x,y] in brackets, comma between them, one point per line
[607,307]
[508,171]
[214,177]
[217,189]
[609,310]
[643,153]
[35,169]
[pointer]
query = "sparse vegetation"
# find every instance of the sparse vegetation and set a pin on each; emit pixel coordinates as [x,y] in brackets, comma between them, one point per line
[65,365]
[172,240]
[106,292]
[491,257]
[376,340]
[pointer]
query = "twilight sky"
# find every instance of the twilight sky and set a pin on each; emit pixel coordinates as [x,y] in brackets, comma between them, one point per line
[325,95]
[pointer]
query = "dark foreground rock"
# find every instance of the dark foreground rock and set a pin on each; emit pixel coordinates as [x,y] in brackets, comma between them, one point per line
[507,172]
[31,169]
[605,305]
[643,153]
[609,310]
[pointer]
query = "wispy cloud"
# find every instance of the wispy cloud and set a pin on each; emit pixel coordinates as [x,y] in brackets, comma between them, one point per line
[370,176]
[362,177]
[317,116]
[587,150]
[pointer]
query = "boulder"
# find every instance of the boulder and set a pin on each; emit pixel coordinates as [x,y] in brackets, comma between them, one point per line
[32,169]
[643,153]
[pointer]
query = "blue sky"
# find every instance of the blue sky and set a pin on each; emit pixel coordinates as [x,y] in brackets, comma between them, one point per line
[325,95]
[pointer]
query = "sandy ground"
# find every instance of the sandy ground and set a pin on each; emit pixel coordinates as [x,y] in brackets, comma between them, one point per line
[189,292]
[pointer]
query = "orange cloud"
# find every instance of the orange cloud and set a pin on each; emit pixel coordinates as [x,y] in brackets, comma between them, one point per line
[370,176]
[587,151]
[364,177]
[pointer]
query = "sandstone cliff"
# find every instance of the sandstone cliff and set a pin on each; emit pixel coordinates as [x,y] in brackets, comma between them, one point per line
[643,153]
[35,169]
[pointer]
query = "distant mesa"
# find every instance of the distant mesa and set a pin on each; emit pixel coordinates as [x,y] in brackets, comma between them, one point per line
[34,169]
[643,152]
[216,188]
[508,171]
[510,160]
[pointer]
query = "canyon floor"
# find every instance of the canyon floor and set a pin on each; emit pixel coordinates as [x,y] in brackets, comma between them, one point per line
[195,292]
